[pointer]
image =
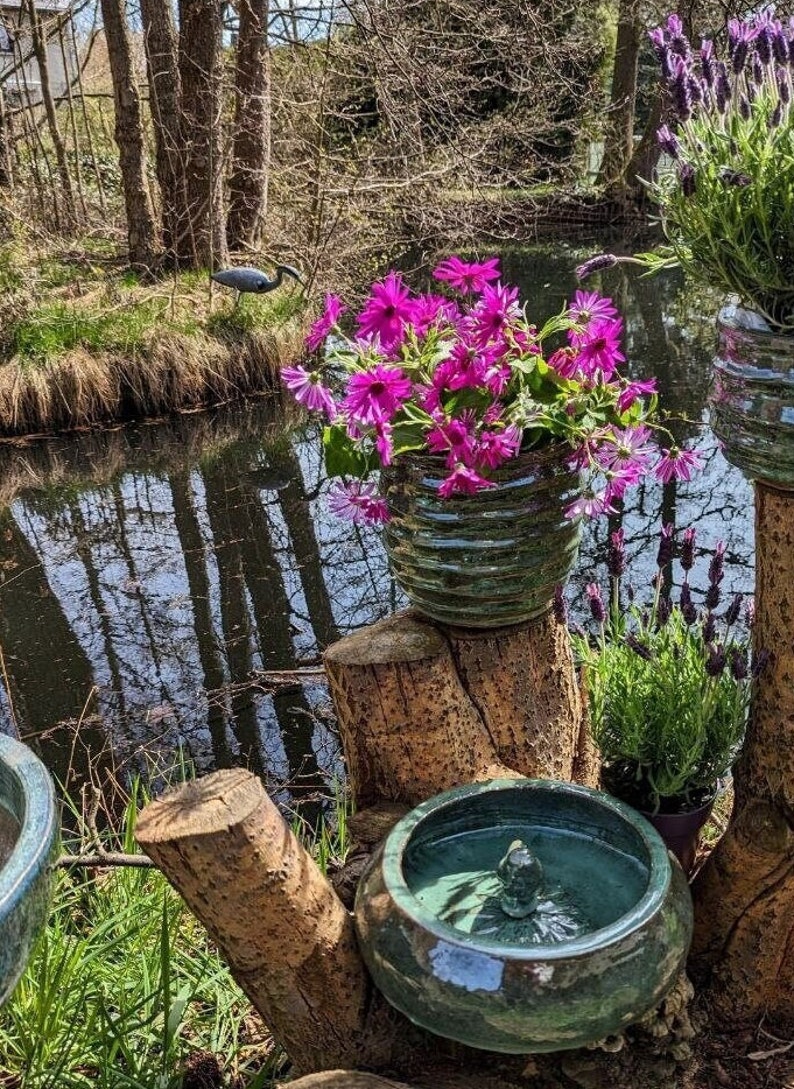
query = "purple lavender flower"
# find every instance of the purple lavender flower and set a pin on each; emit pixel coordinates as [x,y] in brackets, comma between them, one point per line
[733,610]
[712,598]
[734,177]
[687,606]
[715,660]
[780,44]
[763,42]
[738,663]
[757,68]
[616,553]
[776,116]
[744,107]
[658,39]
[740,34]
[749,612]
[679,44]
[668,141]
[783,86]
[596,264]
[717,565]
[663,611]
[666,545]
[596,602]
[559,607]
[688,549]
[707,62]
[688,179]
[722,92]
[682,90]
[639,648]
[709,628]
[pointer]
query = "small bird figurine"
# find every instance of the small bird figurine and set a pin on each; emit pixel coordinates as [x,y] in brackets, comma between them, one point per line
[253,280]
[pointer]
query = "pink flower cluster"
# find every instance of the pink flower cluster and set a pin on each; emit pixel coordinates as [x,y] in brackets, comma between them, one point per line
[466,380]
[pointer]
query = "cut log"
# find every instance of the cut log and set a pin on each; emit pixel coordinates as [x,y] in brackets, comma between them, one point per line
[287,937]
[345,1079]
[422,707]
[744,896]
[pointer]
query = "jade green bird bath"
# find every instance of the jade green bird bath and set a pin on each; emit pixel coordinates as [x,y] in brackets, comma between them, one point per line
[28,835]
[524,916]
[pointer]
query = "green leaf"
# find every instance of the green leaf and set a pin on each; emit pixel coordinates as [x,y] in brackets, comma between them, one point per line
[408,436]
[342,456]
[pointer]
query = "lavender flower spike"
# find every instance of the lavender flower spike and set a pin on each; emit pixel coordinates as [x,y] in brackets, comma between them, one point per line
[707,61]
[688,179]
[668,141]
[596,264]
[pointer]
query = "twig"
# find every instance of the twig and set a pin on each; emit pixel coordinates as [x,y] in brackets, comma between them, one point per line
[106,859]
[758,1056]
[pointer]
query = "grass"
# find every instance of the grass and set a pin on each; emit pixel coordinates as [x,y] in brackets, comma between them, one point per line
[82,343]
[126,991]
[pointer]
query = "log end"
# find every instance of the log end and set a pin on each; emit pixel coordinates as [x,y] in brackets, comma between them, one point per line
[404,637]
[200,807]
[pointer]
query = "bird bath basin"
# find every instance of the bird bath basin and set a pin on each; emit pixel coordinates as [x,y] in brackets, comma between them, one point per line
[523,915]
[28,833]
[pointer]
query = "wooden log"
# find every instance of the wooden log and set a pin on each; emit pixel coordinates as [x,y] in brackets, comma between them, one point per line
[744,896]
[288,939]
[422,707]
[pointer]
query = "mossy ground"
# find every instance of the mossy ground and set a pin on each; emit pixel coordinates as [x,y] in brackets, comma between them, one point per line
[83,342]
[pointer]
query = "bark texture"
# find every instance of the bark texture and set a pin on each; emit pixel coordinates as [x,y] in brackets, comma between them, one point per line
[6,174]
[141,227]
[744,898]
[619,132]
[203,243]
[248,183]
[160,43]
[423,708]
[288,939]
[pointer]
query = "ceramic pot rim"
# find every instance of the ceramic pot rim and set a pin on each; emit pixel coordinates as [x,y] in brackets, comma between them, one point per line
[652,900]
[38,824]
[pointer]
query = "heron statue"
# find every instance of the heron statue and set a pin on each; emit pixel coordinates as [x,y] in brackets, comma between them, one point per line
[252,280]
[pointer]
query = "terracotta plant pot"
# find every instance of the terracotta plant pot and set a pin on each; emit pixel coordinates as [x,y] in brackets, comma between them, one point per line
[488,559]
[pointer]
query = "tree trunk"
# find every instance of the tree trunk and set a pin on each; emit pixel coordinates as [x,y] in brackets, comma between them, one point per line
[160,43]
[423,708]
[248,185]
[203,243]
[288,939]
[619,133]
[744,898]
[39,43]
[141,228]
[6,174]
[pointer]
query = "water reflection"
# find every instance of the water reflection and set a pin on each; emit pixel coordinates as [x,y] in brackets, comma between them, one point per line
[154,578]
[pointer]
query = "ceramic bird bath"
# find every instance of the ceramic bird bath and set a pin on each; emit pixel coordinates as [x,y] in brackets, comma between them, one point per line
[524,916]
[28,834]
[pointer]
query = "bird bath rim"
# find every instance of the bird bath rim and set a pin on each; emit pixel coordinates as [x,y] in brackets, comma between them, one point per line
[35,813]
[658,861]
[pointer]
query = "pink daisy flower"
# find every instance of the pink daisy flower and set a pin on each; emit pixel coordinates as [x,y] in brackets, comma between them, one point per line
[633,391]
[463,480]
[357,502]
[497,307]
[468,277]
[383,441]
[325,323]
[307,389]
[386,311]
[677,464]
[430,310]
[496,447]
[374,396]
[589,306]
[590,505]
[599,348]
[455,437]
[627,449]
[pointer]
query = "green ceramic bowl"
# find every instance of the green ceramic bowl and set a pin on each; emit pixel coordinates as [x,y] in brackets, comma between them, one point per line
[598,855]
[28,835]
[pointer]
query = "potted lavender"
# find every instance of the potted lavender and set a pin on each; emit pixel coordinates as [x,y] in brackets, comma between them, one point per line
[464,428]
[668,687]
[727,211]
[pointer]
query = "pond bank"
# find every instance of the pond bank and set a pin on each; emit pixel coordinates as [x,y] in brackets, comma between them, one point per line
[82,344]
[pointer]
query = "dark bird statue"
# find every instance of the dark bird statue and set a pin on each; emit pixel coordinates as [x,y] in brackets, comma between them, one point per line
[253,280]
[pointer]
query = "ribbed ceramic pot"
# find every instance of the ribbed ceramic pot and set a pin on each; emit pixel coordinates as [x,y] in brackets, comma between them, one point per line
[29,824]
[488,559]
[752,397]
[500,995]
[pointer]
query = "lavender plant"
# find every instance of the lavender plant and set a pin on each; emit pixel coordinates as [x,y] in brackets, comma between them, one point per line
[668,683]
[726,205]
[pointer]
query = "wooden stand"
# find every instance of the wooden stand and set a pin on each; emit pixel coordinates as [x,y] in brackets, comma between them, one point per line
[421,708]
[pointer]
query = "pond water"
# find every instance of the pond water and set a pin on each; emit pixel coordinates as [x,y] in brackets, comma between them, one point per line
[154,578]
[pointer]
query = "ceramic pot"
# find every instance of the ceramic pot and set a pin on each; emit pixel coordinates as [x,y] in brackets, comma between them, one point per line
[681,831]
[489,559]
[465,964]
[751,405]
[28,837]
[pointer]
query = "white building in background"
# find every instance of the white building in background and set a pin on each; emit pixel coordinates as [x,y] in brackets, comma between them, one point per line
[19,70]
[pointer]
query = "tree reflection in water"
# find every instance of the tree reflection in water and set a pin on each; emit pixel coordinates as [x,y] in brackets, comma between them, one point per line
[150,575]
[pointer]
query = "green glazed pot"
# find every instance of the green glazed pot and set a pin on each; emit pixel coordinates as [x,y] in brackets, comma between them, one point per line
[751,406]
[28,837]
[489,559]
[512,988]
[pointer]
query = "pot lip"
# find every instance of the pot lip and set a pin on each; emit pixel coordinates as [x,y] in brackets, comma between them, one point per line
[730,315]
[551,449]
[649,904]
[38,824]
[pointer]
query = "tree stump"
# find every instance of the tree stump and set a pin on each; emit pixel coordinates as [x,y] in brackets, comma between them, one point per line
[744,897]
[423,707]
